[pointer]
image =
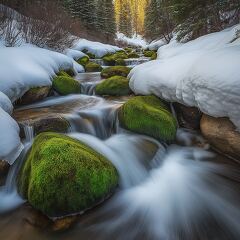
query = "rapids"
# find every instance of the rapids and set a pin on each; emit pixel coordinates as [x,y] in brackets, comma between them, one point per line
[166,192]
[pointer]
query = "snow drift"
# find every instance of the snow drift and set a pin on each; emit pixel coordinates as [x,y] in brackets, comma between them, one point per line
[136,40]
[96,48]
[202,73]
[22,68]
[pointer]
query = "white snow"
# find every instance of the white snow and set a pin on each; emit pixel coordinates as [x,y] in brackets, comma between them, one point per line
[155,45]
[136,40]
[96,48]
[10,146]
[22,68]
[202,73]
[74,54]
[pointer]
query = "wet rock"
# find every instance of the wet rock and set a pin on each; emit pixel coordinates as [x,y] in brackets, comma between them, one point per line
[4,167]
[115,71]
[63,224]
[34,95]
[63,176]
[188,117]
[222,135]
[50,124]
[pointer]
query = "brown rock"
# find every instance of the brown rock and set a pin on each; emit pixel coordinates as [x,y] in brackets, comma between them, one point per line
[188,117]
[222,135]
[4,167]
[34,95]
[64,223]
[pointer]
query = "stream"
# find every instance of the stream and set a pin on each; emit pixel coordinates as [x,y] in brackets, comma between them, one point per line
[181,191]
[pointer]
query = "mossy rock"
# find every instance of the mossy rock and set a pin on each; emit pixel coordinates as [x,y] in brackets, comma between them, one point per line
[83,61]
[150,116]
[128,50]
[114,86]
[115,71]
[154,56]
[93,67]
[63,176]
[65,85]
[120,62]
[133,55]
[149,53]
[63,73]
[109,60]
[121,55]
[91,55]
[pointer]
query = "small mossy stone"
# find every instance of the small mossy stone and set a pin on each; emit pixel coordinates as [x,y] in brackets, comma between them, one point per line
[149,53]
[65,85]
[120,62]
[93,67]
[91,55]
[128,50]
[83,61]
[63,73]
[154,56]
[63,176]
[114,86]
[115,71]
[148,115]
[109,60]
[133,55]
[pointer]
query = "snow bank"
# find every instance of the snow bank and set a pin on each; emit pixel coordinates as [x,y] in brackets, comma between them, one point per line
[155,45]
[202,73]
[74,54]
[10,146]
[22,68]
[136,40]
[96,48]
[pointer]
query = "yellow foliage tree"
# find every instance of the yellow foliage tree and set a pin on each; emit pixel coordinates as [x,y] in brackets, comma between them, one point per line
[137,12]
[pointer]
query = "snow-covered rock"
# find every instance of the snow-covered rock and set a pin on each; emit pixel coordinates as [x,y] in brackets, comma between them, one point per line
[10,146]
[136,40]
[96,48]
[202,73]
[155,45]
[22,68]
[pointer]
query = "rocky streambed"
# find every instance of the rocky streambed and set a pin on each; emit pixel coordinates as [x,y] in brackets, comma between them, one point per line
[127,167]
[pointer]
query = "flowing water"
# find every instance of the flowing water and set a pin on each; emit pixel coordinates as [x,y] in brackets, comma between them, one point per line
[176,192]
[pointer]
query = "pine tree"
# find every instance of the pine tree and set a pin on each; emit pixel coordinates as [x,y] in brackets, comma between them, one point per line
[125,19]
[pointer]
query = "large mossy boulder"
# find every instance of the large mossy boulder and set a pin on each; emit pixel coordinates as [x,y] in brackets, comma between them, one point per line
[115,71]
[93,67]
[63,176]
[150,116]
[65,85]
[114,86]
[112,59]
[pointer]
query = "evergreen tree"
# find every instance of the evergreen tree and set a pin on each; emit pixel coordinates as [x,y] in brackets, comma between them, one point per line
[125,19]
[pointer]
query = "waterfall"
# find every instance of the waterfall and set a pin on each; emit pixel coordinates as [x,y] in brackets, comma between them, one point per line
[9,198]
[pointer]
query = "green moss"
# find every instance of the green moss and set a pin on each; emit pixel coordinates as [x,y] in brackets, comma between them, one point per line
[93,67]
[149,53]
[114,86]
[133,55]
[148,115]
[63,176]
[91,55]
[128,50]
[63,73]
[111,59]
[66,85]
[154,56]
[120,62]
[115,71]
[83,61]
